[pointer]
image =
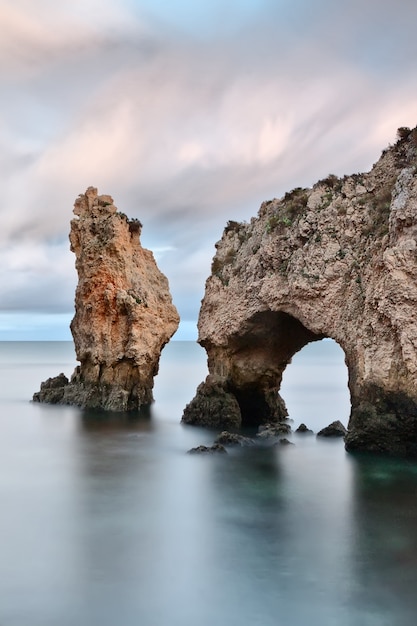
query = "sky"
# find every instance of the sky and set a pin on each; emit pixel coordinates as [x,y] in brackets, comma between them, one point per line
[189,113]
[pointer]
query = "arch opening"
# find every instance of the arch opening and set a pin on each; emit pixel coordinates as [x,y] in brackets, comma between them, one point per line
[259,356]
[244,384]
[315,385]
[274,332]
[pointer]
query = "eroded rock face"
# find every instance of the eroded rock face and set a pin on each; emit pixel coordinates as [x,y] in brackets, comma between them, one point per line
[340,261]
[123,312]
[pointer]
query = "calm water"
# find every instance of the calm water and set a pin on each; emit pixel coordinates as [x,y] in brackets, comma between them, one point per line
[106,520]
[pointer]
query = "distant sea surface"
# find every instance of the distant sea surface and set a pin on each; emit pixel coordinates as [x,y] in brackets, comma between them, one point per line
[105,520]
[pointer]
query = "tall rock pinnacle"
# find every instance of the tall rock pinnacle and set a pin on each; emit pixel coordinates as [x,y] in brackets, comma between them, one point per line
[123,312]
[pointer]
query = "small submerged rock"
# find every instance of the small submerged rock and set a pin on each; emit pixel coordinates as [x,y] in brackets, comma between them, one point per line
[335,429]
[214,449]
[302,429]
[272,431]
[284,442]
[233,439]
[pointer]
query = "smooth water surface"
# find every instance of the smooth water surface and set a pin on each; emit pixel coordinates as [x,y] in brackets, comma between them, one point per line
[106,520]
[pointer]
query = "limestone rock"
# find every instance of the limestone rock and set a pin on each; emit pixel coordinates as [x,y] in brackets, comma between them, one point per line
[214,449]
[52,390]
[273,430]
[123,312]
[213,406]
[303,430]
[233,439]
[284,442]
[339,261]
[335,429]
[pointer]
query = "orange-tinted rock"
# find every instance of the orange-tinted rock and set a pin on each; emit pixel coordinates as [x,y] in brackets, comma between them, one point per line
[123,310]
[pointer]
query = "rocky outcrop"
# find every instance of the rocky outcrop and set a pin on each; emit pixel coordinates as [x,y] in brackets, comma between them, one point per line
[274,430]
[339,261]
[284,442]
[123,312]
[303,430]
[335,429]
[214,449]
[233,439]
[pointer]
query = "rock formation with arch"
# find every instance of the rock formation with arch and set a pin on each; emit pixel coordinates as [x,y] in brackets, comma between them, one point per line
[123,312]
[339,261]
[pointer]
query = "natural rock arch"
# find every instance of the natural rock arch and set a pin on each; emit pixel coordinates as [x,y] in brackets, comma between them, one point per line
[340,261]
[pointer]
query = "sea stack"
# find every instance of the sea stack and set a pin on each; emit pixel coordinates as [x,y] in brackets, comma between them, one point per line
[338,260]
[123,312]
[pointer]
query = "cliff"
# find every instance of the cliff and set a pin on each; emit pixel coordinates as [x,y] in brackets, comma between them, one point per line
[340,261]
[123,312]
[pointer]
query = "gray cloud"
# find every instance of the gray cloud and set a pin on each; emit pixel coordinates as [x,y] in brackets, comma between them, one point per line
[185,128]
[37,276]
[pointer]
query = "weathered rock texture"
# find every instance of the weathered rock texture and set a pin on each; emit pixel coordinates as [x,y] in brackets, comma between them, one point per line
[335,429]
[123,312]
[340,261]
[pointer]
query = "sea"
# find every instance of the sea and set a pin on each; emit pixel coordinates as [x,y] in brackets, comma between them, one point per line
[106,520]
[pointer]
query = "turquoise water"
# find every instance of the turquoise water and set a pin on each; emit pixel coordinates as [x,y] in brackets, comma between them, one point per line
[105,520]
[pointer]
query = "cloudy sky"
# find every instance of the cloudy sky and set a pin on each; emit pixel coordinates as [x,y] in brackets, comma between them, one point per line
[189,113]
